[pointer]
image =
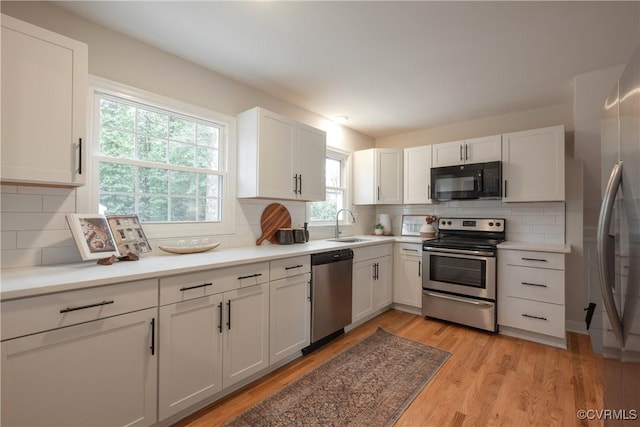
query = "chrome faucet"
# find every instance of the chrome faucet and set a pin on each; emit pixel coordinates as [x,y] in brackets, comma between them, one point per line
[338,219]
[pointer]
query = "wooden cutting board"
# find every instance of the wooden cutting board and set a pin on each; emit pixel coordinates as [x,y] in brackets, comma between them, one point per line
[273,217]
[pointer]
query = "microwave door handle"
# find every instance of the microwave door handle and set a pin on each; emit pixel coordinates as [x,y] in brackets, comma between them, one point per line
[604,269]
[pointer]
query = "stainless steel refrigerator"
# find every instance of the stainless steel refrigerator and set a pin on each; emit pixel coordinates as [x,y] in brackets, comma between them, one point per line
[615,329]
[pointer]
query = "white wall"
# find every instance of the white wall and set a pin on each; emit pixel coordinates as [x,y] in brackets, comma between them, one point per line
[32,225]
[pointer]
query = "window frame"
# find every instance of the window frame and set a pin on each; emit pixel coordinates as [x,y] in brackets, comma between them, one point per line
[345,158]
[88,196]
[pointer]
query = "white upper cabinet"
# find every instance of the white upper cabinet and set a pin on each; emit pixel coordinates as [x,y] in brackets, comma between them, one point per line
[279,158]
[44,91]
[378,176]
[417,175]
[533,165]
[476,150]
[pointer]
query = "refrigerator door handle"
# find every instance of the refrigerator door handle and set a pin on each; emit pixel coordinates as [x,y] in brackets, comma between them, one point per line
[604,223]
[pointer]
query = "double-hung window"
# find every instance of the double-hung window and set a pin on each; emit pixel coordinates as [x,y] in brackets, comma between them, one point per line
[165,164]
[336,189]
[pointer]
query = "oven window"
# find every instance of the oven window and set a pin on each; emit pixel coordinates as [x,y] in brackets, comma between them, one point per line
[459,271]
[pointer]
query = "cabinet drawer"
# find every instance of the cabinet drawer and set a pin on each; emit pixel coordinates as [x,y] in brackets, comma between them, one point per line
[410,249]
[289,267]
[371,252]
[533,259]
[539,317]
[193,285]
[37,314]
[537,284]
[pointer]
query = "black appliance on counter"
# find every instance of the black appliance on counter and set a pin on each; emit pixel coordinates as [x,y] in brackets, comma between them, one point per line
[459,271]
[470,181]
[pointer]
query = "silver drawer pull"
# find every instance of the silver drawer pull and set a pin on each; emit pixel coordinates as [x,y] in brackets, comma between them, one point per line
[540,285]
[250,276]
[410,250]
[82,307]
[534,317]
[188,288]
[295,266]
[534,259]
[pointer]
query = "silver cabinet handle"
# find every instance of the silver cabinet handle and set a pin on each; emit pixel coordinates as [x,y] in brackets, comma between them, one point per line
[466,152]
[409,250]
[604,222]
[295,181]
[461,153]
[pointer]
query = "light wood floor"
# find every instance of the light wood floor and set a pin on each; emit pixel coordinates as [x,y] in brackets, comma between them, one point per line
[489,380]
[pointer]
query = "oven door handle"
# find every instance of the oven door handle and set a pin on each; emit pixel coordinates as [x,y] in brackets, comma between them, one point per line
[433,249]
[464,300]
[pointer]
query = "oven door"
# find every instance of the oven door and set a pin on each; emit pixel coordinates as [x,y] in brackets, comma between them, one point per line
[461,272]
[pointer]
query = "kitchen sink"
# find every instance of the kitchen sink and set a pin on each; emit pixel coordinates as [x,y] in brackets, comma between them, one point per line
[348,240]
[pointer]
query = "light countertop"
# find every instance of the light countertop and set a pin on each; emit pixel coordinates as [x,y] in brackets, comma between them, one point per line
[32,281]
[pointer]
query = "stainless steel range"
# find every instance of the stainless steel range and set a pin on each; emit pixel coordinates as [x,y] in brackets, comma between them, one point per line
[459,271]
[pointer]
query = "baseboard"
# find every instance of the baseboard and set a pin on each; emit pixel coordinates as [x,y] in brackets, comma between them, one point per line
[532,336]
[407,308]
[575,326]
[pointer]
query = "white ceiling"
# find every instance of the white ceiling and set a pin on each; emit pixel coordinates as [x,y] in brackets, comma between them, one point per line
[389,66]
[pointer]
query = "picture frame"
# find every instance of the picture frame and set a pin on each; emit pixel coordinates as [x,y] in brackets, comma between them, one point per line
[128,234]
[92,235]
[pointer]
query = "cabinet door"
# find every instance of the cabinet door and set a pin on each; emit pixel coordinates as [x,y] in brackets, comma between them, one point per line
[407,286]
[275,158]
[290,316]
[382,283]
[44,88]
[362,304]
[309,162]
[190,353]
[448,154]
[246,337]
[533,165]
[417,175]
[99,373]
[389,176]
[482,150]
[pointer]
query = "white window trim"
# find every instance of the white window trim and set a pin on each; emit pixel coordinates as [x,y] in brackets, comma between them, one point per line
[87,196]
[346,156]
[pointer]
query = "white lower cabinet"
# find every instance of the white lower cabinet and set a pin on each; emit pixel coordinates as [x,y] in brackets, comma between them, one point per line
[531,295]
[407,279]
[99,373]
[290,316]
[372,280]
[211,342]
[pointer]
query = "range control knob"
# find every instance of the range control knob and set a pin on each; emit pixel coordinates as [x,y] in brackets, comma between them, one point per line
[491,224]
[497,224]
[448,222]
[443,222]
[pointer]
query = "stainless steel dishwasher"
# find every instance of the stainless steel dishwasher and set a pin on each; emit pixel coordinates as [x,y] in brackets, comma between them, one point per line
[331,295]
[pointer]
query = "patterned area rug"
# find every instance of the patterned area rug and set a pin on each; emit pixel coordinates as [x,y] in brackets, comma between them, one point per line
[369,384]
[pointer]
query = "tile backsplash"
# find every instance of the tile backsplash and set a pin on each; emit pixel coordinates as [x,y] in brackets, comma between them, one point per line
[34,230]
[526,222]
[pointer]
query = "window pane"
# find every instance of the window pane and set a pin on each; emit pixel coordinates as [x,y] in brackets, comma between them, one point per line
[334,173]
[209,209]
[152,149]
[326,211]
[115,115]
[181,154]
[115,204]
[117,178]
[183,183]
[208,135]
[153,181]
[209,185]
[183,209]
[154,209]
[206,158]
[116,144]
[182,130]
[152,123]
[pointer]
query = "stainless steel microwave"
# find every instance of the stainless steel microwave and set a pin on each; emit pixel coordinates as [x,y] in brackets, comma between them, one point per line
[464,182]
